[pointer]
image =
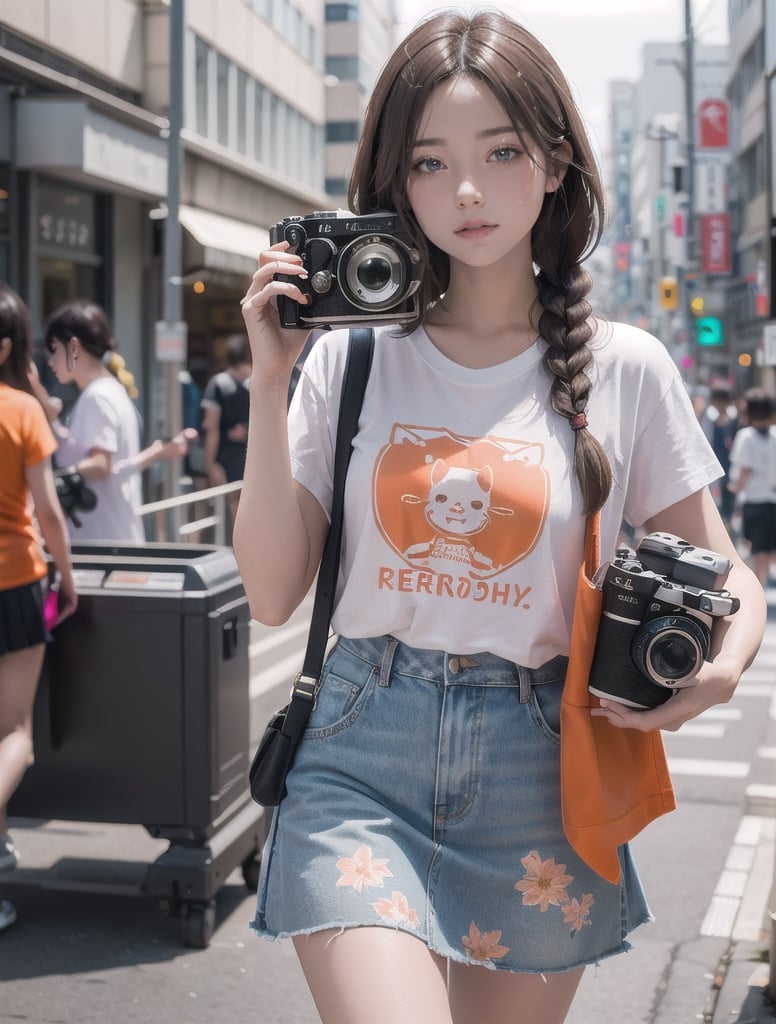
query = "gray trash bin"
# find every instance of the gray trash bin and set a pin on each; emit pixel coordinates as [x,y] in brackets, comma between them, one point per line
[142,716]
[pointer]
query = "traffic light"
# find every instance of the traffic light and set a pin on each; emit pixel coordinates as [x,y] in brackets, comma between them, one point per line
[710,330]
[669,293]
[697,305]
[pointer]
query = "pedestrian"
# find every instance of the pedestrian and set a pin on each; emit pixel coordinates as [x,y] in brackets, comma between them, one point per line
[226,404]
[101,440]
[419,860]
[26,485]
[753,479]
[720,423]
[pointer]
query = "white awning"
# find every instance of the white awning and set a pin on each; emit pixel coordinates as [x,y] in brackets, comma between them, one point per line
[221,243]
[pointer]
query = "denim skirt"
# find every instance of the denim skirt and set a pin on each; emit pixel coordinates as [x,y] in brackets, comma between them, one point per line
[425,796]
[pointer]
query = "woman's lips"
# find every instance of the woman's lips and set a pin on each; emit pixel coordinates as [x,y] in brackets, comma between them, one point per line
[475,231]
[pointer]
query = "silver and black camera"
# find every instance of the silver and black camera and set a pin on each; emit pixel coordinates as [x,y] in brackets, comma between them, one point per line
[360,268]
[659,604]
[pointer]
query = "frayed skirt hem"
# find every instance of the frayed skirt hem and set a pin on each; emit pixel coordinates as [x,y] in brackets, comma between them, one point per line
[264,932]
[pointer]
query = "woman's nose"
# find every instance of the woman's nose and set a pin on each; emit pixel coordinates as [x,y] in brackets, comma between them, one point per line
[468,194]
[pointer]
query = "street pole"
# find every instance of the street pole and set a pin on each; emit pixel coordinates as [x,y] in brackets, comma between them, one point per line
[691,266]
[172,253]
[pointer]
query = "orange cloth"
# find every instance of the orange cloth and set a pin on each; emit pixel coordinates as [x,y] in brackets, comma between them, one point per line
[614,781]
[25,440]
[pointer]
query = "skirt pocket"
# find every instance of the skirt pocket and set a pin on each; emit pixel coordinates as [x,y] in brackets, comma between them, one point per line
[346,683]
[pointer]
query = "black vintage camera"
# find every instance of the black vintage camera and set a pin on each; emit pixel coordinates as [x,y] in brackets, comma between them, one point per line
[360,268]
[659,604]
[74,496]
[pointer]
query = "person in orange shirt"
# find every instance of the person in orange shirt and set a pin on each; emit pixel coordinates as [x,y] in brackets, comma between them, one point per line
[26,484]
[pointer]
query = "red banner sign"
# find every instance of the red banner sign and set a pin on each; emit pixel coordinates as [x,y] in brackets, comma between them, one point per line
[715,243]
[713,124]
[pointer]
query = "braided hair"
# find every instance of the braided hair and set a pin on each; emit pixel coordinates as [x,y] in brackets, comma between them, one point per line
[528,83]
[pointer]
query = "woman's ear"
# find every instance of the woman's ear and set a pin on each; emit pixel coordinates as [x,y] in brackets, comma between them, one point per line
[561,158]
[5,349]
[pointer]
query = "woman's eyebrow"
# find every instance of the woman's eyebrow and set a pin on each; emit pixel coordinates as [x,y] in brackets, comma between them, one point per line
[486,133]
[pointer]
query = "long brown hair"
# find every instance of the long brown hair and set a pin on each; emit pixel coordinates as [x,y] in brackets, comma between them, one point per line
[528,83]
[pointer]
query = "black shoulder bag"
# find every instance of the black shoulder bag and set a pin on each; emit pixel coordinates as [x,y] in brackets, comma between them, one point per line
[275,753]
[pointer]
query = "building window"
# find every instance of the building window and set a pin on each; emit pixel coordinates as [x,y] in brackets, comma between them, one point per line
[337,186]
[243,84]
[343,67]
[342,12]
[222,100]
[233,109]
[201,86]
[342,131]
[260,123]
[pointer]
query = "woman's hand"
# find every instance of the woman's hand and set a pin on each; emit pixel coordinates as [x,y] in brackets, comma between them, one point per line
[273,348]
[715,683]
[67,599]
[51,406]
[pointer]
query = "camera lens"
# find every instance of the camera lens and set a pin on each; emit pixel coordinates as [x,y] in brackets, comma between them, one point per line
[372,273]
[673,657]
[669,650]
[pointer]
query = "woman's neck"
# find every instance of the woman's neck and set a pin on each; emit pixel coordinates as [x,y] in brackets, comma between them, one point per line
[485,317]
[89,370]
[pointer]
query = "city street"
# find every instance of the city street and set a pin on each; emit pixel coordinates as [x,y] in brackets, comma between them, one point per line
[89,947]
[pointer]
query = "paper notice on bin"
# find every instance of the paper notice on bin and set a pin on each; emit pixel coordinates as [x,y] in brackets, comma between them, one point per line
[133,579]
[86,579]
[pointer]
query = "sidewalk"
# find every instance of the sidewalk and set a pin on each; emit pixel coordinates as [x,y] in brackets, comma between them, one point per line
[739,985]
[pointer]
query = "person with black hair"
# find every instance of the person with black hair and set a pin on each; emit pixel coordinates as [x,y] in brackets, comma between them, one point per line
[26,486]
[101,440]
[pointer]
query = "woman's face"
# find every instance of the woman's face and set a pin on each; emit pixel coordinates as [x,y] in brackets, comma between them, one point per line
[62,362]
[475,191]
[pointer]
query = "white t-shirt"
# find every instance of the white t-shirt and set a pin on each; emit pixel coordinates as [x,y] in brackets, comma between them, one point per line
[756,452]
[463,525]
[104,417]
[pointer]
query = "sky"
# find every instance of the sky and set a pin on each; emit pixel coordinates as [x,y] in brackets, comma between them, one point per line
[597,41]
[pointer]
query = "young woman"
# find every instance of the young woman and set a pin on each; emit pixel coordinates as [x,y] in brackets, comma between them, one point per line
[26,485]
[102,438]
[419,860]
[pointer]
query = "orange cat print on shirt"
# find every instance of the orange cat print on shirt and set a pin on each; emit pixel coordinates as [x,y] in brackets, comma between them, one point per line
[445,502]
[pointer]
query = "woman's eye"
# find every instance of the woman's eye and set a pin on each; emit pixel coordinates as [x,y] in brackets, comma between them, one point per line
[504,153]
[428,165]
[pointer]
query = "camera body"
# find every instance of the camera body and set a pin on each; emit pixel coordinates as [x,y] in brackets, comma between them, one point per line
[360,268]
[73,493]
[659,605]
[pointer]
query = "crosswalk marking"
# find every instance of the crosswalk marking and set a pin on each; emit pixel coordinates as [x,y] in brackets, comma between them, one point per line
[736,908]
[697,730]
[277,638]
[718,714]
[281,672]
[711,769]
[747,689]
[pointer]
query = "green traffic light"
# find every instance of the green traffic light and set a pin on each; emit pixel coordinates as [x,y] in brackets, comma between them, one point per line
[710,330]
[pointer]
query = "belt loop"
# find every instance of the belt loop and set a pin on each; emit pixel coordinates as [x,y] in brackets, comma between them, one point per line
[387,661]
[524,675]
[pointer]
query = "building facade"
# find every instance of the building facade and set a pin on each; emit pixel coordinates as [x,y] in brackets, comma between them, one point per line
[84,102]
[359,39]
[657,246]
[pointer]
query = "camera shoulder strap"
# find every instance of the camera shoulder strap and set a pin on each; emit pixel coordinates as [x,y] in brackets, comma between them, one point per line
[359,361]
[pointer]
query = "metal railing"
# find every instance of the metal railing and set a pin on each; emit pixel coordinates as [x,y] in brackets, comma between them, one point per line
[171,516]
